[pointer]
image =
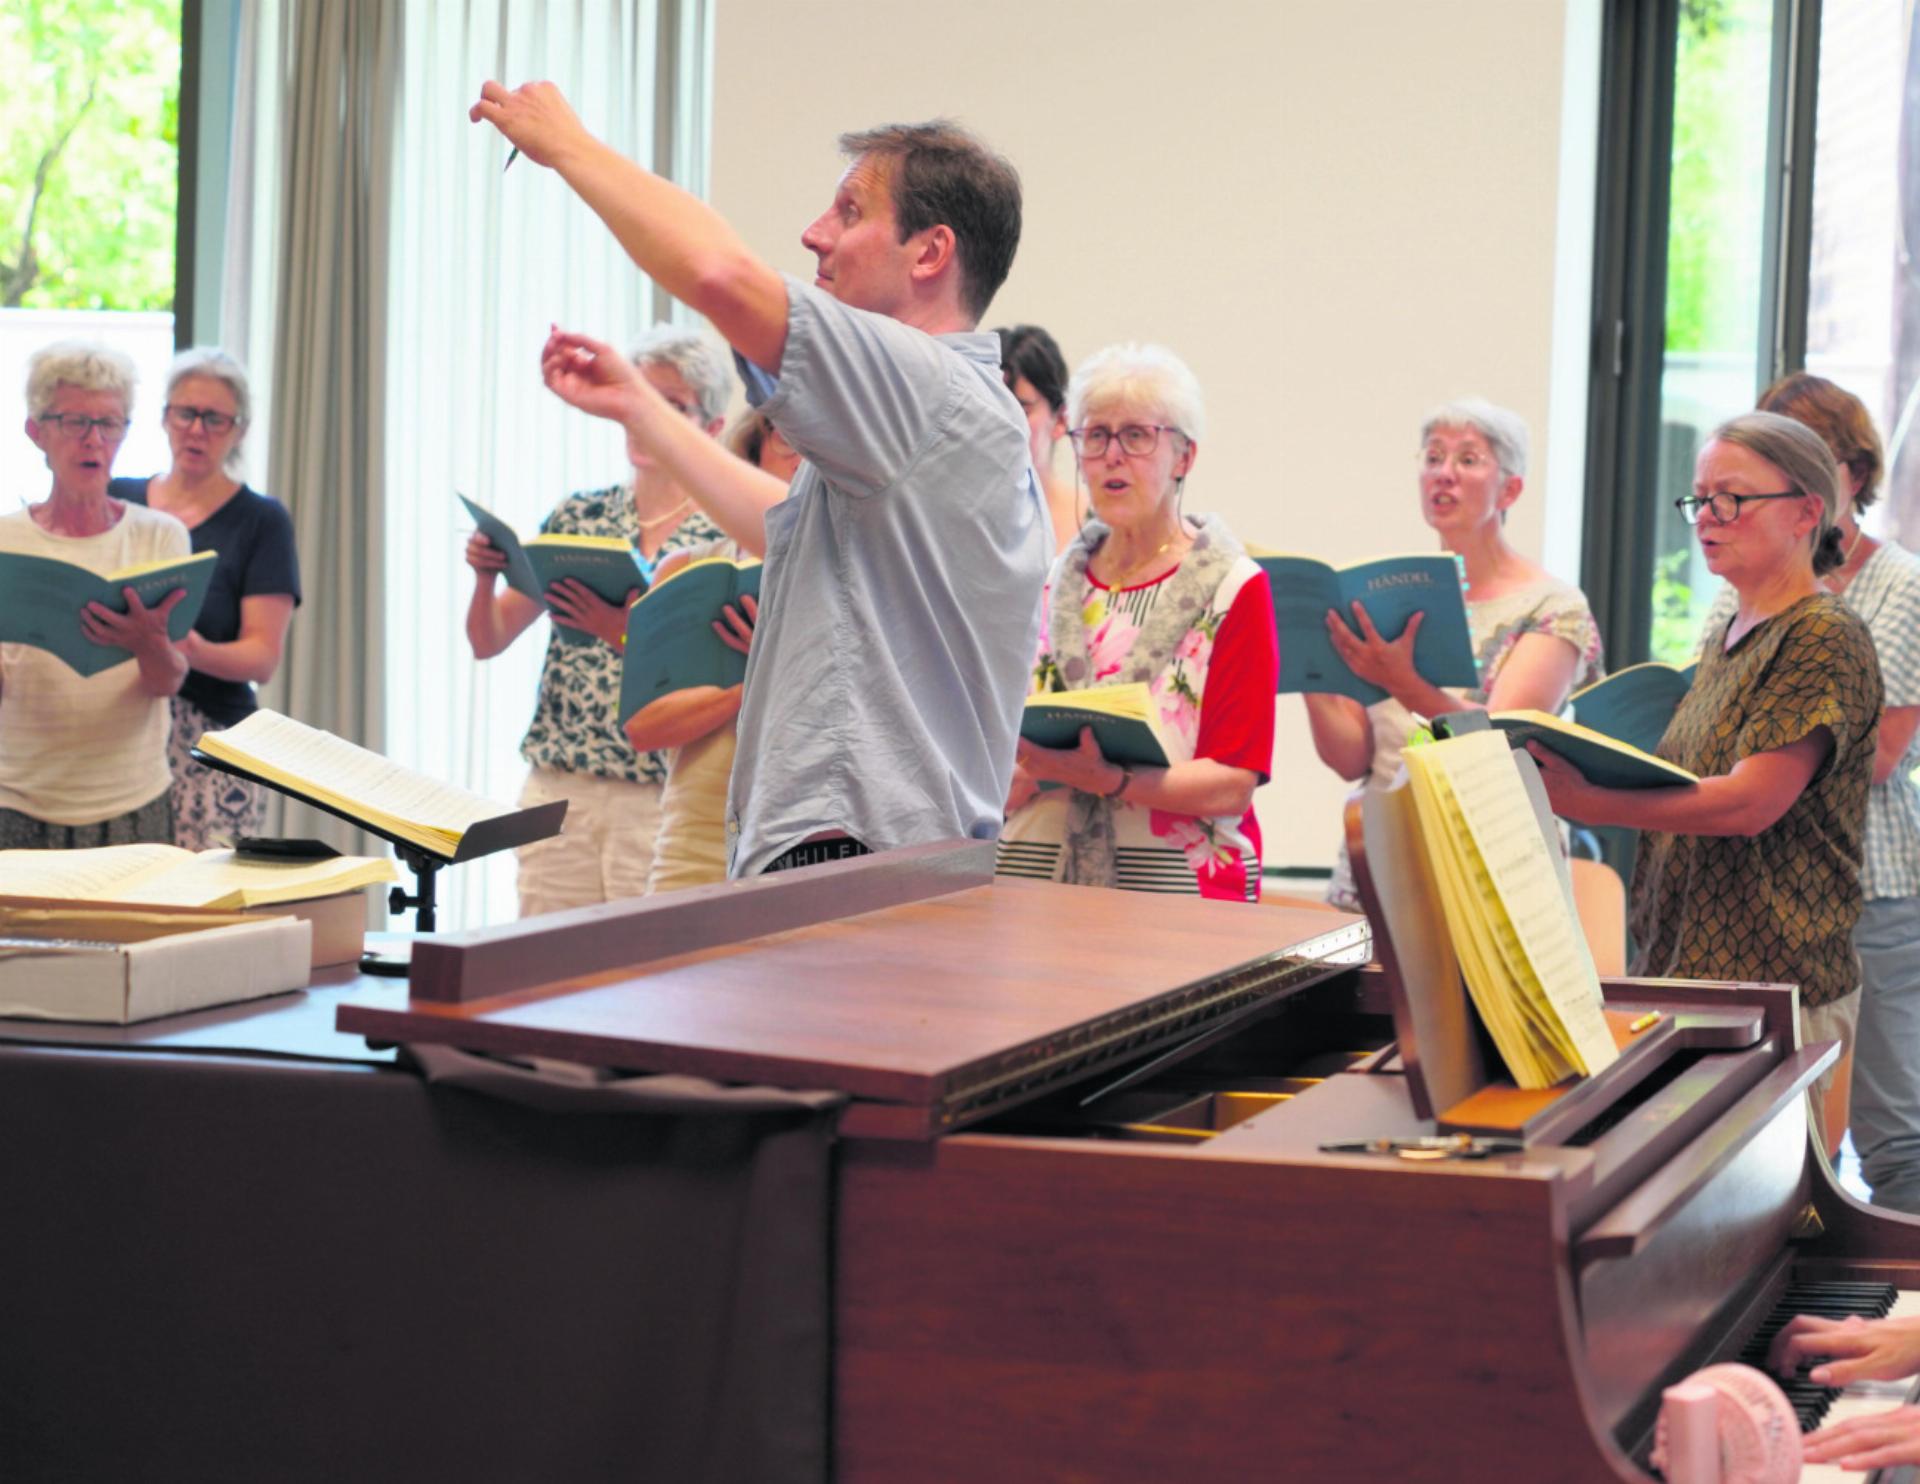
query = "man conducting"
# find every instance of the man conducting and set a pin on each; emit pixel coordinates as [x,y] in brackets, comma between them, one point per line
[899,607]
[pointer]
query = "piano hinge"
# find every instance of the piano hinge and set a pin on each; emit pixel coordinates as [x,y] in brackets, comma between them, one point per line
[1807,1225]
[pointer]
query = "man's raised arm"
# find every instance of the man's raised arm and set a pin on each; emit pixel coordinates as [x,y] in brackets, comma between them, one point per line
[677,240]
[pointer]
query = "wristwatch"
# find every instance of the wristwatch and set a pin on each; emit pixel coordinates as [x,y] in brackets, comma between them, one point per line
[1126,777]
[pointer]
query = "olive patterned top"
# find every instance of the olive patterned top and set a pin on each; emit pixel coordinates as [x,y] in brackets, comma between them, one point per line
[1778,906]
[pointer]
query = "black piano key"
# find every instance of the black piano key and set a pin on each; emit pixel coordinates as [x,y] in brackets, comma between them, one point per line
[1810,1402]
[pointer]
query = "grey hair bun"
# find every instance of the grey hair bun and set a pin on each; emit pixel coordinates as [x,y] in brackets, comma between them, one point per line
[1830,555]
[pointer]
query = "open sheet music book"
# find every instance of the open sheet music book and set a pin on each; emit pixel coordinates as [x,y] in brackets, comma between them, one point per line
[362,785]
[1600,758]
[166,876]
[1392,589]
[671,644]
[41,599]
[607,564]
[1508,910]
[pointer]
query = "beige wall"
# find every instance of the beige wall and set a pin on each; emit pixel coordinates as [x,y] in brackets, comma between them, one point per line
[1338,213]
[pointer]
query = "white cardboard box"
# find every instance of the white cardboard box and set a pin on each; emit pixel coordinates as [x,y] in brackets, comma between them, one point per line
[171,972]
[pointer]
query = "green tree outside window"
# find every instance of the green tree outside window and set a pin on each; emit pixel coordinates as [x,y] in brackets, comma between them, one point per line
[89,153]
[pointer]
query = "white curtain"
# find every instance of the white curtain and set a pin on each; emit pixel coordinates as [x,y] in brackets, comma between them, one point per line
[484,259]
[338,67]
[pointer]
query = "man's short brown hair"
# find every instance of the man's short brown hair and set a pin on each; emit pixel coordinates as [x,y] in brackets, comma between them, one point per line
[940,173]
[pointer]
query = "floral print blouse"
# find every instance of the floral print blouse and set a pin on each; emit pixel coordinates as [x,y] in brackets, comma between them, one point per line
[1216,701]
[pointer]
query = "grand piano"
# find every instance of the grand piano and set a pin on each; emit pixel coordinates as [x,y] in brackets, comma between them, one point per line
[1122,1188]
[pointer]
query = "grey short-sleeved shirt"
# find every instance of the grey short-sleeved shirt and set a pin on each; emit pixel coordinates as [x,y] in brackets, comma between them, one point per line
[900,604]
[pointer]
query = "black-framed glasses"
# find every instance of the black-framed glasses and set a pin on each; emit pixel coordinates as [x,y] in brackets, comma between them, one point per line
[1725,507]
[75,426]
[184,418]
[1137,439]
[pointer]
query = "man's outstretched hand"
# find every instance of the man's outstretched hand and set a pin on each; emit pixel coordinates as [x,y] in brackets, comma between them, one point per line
[592,375]
[535,117]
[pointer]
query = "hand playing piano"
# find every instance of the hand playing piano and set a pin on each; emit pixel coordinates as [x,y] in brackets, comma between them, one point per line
[1881,1440]
[1855,1349]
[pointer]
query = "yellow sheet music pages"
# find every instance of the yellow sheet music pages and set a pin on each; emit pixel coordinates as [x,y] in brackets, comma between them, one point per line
[166,876]
[1521,950]
[361,784]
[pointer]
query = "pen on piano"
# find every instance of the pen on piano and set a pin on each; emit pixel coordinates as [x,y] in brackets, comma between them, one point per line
[512,155]
[1634,1027]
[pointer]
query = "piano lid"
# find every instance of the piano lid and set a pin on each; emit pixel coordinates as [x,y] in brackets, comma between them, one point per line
[938,1012]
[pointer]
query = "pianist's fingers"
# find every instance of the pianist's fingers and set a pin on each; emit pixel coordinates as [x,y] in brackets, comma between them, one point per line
[1855,1349]
[1879,1441]
[1803,1338]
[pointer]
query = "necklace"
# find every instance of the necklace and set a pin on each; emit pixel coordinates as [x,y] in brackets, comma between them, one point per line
[661,520]
[1119,580]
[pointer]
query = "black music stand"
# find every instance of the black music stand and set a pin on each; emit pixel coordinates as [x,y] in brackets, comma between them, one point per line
[484,837]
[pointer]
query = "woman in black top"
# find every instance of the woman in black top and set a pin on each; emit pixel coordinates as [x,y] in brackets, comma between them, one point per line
[237,641]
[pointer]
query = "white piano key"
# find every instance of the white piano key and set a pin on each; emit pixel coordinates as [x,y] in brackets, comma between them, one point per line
[1863,1399]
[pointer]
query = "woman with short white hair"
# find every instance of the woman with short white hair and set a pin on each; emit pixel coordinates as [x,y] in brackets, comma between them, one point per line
[575,749]
[83,759]
[241,632]
[1148,593]
[1534,637]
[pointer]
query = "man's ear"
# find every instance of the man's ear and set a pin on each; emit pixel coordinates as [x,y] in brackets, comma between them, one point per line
[936,252]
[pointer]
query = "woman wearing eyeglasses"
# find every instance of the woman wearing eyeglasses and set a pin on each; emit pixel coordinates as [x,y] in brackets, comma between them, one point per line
[1146,593]
[1754,872]
[241,632]
[83,759]
[1534,637]
[1881,583]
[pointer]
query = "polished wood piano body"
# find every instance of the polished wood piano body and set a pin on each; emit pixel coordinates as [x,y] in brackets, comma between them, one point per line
[1038,1278]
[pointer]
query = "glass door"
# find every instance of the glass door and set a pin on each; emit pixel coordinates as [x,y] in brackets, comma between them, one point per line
[1718,353]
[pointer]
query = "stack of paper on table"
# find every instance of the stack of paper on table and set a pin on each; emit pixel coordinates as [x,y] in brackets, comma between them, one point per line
[362,785]
[329,893]
[120,965]
[1508,911]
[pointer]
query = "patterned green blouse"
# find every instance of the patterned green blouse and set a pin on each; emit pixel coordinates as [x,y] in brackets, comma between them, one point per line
[1778,906]
[575,727]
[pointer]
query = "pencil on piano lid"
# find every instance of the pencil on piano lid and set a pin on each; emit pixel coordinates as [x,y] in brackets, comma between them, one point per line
[1634,1027]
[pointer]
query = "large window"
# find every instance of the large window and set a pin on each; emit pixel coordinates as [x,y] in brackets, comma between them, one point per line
[89,119]
[1863,296]
[1717,328]
[1763,203]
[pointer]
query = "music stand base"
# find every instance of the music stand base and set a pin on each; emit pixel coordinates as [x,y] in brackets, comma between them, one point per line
[388,960]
